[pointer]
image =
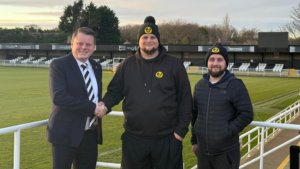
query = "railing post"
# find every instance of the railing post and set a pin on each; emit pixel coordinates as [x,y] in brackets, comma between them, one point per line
[17,138]
[258,139]
[249,145]
[262,147]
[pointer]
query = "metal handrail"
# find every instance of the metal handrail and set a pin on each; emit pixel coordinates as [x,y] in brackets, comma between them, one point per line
[263,126]
[262,129]
[252,138]
[17,139]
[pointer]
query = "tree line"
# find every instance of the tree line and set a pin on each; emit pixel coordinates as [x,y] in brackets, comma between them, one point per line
[105,23]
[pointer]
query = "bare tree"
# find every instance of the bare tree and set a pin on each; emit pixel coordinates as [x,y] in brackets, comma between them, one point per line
[184,33]
[246,37]
[294,27]
[181,32]
[226,31]
[214,34]
[129,33]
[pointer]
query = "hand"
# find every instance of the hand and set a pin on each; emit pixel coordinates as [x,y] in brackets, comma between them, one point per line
[103,108]
[194,148]
[178,137]
[100,110]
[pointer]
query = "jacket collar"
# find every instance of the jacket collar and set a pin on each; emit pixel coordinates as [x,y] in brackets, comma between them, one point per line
[222,83]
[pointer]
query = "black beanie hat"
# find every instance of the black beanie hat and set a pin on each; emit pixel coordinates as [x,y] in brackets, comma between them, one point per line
[217,49]
[149,27]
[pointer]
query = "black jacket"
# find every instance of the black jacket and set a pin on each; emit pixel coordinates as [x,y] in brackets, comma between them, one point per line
[157,95]
[70,102]
[220,112]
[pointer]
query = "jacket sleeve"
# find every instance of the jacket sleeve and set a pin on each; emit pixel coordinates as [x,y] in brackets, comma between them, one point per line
[114,93]
[243,106]
[194,117]
[184,98]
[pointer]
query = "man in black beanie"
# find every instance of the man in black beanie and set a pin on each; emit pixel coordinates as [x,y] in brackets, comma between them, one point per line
[157,103]
[149,27]
[217,49]
[222,108]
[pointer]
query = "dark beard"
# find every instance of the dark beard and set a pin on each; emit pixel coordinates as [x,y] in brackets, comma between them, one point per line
[150,52]
[216,74]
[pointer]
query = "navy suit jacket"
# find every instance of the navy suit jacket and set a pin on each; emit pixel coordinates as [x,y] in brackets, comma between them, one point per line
[70,103]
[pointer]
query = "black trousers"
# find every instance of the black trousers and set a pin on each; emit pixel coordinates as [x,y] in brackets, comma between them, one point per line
[82,157]
[151,153]
[226,160]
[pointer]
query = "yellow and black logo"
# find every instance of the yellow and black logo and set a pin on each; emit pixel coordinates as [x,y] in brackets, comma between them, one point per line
[148,30]
[159,74]
[215,50]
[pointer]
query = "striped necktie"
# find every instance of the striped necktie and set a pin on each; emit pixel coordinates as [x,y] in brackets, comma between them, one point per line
[90,91]
[87,81]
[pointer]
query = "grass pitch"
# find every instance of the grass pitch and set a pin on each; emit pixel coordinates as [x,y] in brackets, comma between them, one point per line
[24,97]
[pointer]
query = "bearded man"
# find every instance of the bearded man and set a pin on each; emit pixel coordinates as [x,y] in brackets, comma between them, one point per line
[221,109]
[157,103]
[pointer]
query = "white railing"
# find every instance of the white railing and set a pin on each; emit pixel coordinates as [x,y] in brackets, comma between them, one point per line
[27,64]
[262,139]
[264,73]
[17,137]
[190,69]
[264,126]
[17,140]
[265,131]
[247,72]
[251,140]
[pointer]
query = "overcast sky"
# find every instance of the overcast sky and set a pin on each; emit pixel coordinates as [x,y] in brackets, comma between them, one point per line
[264,15]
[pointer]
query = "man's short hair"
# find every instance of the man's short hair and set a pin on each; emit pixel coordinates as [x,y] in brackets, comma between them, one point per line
[84,30]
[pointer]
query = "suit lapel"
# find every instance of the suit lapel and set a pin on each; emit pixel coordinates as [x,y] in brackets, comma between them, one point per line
[77,73]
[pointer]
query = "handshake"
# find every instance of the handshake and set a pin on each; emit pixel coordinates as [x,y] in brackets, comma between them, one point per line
[100,110]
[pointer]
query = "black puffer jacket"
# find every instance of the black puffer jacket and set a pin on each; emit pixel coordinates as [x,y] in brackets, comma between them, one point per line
[220,112]
[157,95]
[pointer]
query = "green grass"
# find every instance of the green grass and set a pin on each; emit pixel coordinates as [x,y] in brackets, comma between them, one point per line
[24,97]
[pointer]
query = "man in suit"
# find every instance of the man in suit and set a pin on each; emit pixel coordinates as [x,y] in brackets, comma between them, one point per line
[74,127]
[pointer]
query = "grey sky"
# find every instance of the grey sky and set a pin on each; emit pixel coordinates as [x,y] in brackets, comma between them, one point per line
[264,15]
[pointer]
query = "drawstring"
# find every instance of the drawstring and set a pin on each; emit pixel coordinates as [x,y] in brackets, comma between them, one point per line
[151,77]
[144,75]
